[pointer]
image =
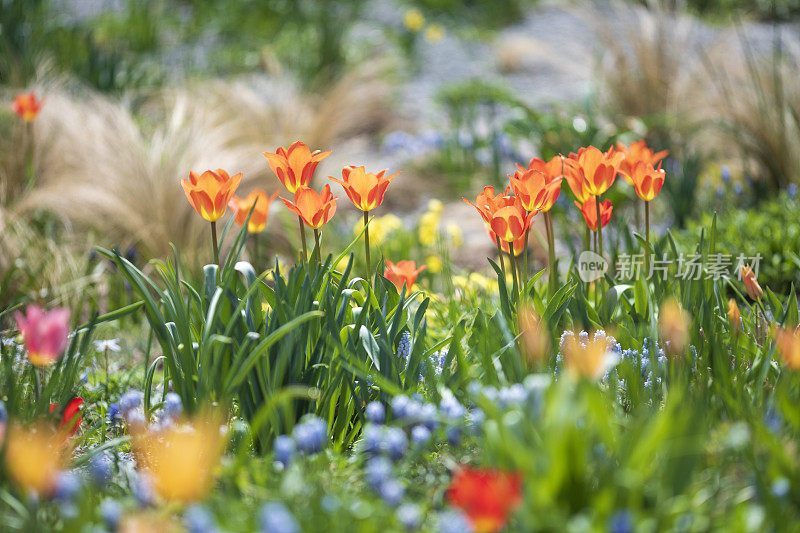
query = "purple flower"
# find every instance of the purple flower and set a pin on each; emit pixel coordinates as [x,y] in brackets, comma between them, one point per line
[375,412]
[284,449]
[276,518]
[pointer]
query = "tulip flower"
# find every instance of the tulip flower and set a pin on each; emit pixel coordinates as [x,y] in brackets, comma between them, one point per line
[734,317]
[673,325]
[44,333]
[538,187]
[534,334]
[402,273]
[509,224]
[592,172]
[487,202]
[366,191]
[34,457]
[313,208]
[647,181]
[181,460]
[589,212]
[27,106]
[209,194]
[591,359]
[751,283]
[487,497]
[258,201]
[295,168]
[788,343]
[635,152]
[71,417]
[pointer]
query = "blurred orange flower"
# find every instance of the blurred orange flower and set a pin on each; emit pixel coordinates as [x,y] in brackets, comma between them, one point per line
[535,189]
[27,106]
[181,460]
[296,166]
[788,343]
[673,325]
[34,457]
[591,171]
[635,152]
[211,192]
[590,360]
[535,335]
[316,209]
[734,316]
[751,283]
[589,211]
[402,273]
[487,497]
[242,206]
[364,189]
[647,180]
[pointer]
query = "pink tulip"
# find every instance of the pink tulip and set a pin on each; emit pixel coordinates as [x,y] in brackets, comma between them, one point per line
[44,333]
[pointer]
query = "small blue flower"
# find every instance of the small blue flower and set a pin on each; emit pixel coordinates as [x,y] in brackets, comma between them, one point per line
[84,377]
[375,412]
[620,522]
[454,435]
[780,487]
[142,491]
[404,346]
[428,415]
[67,486]
[725,173]
[100,469]
[452,521]
[409,515]
[395,443]
[110,512]
[3,413]
[130,400]
[420,435]
[392,491]
[197,519]
[737,188]
[475,419]
[400,405]
[451,408]
[373,439]
[311,435]
[276,518]
[173,405]
[284,449]
[377,470]
[791,190]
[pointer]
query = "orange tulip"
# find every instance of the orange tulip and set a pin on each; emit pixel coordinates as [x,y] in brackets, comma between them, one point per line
[734,316]
[788,344]
[211,192]
[295,167]
[519,244]
[402,273]
[751,283]
[635,152]
[487,202]
[316,209]
[589,211]
[591,172]
[647,180]
[364,189]
[552,169]
[242,206]
[27,106]
[534,190]
[510,222]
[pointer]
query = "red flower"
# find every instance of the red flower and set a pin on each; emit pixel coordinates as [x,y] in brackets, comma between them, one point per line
[487,497]
[402,273]
[27,106]
[71,417]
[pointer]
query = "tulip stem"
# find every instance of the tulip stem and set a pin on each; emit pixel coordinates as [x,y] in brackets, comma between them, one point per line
[316,240]
[599,226]
[366,246]
[500,258]
[515,289]
[303,238]
[29,149]
[214,242]
[647,238]
[551,252]
[525,259]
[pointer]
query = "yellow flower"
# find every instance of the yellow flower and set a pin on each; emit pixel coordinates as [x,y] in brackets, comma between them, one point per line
[380,228]
[434,264]
[456,237]
[414,20]
[435,206]
[434,33]
[34,457]
[428,228]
